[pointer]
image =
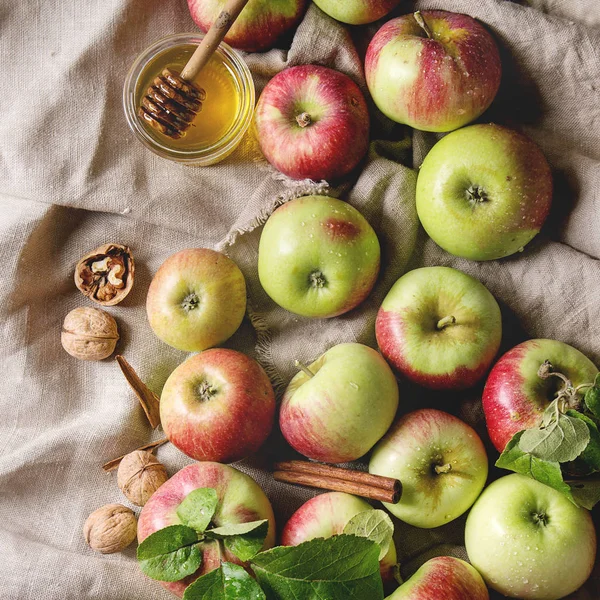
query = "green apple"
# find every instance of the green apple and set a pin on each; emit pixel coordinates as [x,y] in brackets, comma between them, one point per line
[356,12]
[484,192]
[341,405]
[529,541]
[440,461]
[440,328]
[318,257]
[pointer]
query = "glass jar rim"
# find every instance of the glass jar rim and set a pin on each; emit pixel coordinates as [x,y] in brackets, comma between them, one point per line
[209,154]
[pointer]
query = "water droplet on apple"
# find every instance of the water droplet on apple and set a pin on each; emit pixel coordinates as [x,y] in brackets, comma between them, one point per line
[354,385]
[303,223]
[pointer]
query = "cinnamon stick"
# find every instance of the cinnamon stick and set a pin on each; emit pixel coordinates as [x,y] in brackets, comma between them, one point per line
[337,479]
[148,399]
[111,465]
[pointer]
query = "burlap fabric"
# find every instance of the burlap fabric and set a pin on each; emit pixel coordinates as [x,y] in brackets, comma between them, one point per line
[72,177]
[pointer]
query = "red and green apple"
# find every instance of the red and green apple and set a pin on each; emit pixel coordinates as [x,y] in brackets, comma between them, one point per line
[341,405]
[529,541]
[326,515]
[260,24]
[318,257]
[440,461]
[312,123]
[439,327]
[240,500]
[196,300]
[484,192]
[356,12]
[433,70]
[443,577]
[515,396]
[218,405]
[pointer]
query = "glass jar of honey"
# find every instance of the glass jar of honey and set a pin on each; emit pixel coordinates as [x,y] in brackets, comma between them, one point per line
[226,112]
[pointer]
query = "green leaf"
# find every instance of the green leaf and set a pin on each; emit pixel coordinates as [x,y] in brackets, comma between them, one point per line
[591,454]
[586,492]
[342,567]
[170,554]
[375,525]
[198,508]
[242,539]
[592,398]
[563,440]
[549,473]
[228,582]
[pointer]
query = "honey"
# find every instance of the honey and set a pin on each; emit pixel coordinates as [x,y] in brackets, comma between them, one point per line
[219,109]
[226,111]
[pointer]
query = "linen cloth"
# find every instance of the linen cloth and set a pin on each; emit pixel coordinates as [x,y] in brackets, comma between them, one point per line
[73,177]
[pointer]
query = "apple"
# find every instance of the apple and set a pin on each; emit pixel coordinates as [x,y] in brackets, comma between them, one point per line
[529,541]
[439,327]
[356,12]
[240,501]
[440,461]
[260,24]
[312,123]
[484,192]
[443,577]
[218,405]
[196,300]
[433,70]
[515,396]
[341,405]
[318,257]
[326,515]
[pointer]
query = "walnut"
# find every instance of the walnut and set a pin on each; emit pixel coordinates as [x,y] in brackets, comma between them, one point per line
[110,528]
[140,475]
[89,334]
[106,274]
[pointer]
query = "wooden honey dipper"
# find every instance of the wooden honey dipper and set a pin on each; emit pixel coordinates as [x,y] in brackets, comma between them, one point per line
[173,101]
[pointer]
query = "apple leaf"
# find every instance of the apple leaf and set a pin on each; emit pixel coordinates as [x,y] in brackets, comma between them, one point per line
[586,492]
[563,440]
[342,567]
[592,398]
[547,472]
[170,554]
[228,582]
[591,454]
[198,508]
[242,539]
[375,525]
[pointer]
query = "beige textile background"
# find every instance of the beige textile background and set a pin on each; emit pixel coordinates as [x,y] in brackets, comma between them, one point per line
[72,177]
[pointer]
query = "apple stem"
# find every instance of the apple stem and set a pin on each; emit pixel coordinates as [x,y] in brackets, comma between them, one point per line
[443,469]
[304,368]
[443,323]
[567,396]
[303,119]
[422,24]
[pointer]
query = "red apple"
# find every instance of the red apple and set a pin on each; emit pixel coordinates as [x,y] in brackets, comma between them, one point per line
[240,500]
[196,300]
[439,327]
[515,397]
[260,24]
[218,405]
[356,12]
[443,577]
[326,515]
[312,123]
[433,70]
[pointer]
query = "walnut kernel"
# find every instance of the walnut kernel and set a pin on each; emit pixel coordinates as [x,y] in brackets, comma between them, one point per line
[140,474]
[89,334]
[106,274]
[110,528]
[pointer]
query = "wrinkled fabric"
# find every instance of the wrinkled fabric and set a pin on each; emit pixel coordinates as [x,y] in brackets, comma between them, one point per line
[72,177]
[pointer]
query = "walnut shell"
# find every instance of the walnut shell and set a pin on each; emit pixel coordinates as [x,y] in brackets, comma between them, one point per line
[89,334]
[105,275]
[140,474]
[110,528]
